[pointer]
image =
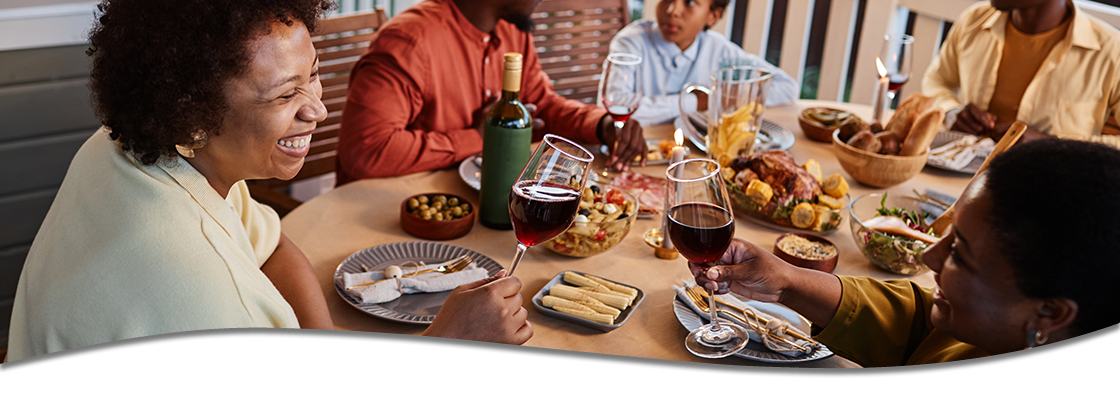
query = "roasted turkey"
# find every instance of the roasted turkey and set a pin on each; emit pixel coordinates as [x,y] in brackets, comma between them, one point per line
[777,168]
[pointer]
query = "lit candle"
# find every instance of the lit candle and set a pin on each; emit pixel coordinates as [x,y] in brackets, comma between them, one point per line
[880,102]
[676,156]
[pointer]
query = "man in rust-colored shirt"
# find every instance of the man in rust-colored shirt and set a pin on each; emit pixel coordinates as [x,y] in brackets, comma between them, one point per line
[419,94]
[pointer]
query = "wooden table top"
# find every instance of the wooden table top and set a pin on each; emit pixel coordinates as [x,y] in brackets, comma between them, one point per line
[362,214]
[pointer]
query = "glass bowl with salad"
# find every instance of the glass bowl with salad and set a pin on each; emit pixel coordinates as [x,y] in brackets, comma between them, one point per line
[900,250]
[605,215]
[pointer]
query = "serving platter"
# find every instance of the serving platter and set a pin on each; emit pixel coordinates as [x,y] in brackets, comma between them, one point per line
[771,135]
[416,308]
[755,350]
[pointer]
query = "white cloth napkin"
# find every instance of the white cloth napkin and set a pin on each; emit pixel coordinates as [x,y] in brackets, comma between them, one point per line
[959,153]
[776,324]
[423,283]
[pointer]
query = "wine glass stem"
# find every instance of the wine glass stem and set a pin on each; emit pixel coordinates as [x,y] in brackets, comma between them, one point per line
[712,310]
[517,257]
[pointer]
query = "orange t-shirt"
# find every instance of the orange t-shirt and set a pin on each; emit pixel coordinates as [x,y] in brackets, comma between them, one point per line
[1023,54]
[413,94]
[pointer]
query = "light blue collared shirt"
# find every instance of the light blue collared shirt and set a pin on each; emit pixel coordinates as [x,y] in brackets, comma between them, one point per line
[666,69]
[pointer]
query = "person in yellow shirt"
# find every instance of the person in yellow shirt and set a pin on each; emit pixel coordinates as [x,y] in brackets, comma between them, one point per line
[1010,274]
[1045,63]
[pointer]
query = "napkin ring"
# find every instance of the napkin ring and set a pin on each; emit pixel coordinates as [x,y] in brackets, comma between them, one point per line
[416,266]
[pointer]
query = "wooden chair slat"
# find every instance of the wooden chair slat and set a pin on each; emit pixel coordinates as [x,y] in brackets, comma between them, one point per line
[577,5]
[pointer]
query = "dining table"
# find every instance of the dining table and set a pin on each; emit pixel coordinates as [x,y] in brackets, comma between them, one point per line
[365,213]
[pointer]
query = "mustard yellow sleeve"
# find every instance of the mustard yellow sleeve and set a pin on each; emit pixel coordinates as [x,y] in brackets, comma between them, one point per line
[878,323]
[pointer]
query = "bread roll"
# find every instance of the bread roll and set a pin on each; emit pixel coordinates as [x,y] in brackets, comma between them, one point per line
[922,133]
[908,111]
[892,144]
[866,141]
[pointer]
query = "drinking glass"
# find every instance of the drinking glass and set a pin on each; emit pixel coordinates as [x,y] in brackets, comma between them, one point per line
[736,100]
[545,198]
[896,56]
[701,227]
[620,88]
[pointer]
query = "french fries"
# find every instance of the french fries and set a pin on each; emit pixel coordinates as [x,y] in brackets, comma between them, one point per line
[592,298]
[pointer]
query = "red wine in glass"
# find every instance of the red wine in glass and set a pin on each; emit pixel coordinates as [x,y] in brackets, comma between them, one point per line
[701,232]
[896,82]
[540,212]
[620,113]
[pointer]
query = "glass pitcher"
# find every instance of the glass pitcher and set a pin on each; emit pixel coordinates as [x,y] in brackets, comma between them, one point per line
[736,100]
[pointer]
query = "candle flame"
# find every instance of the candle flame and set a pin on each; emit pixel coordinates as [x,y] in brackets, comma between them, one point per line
[679,137]
[879,65]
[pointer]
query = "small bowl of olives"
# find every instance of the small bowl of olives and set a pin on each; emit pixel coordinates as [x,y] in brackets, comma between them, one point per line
[437,216]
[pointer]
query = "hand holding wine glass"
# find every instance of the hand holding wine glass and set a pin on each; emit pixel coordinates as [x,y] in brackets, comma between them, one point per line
[620,92]
[701,227]
[545,199]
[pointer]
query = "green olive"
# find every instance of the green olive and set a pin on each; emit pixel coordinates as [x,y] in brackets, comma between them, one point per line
[454,201]
[438,217]
[424,207]
[457,211]
[441,198]
[426,216]
[422,199]
[413,203]
[466,208]
[438,205]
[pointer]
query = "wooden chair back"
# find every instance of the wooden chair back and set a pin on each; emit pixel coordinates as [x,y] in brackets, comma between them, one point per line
[340,42]
[573,39]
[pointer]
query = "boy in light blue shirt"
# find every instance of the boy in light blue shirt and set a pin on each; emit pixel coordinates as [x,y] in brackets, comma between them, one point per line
[678,48]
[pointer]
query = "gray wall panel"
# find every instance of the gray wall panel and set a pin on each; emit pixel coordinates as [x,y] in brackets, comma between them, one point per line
[43,64]
[38,163]
[45,108]
[22,214]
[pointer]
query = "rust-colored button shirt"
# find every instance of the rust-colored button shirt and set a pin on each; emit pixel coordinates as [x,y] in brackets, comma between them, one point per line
[414,93]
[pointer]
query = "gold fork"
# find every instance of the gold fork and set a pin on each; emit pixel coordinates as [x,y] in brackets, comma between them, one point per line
[703,305]
[455,265]
[703,295]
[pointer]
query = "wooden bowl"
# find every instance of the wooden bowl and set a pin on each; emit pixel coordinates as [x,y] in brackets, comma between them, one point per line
[877,170]
[437,230]
[826,265]
[815,130]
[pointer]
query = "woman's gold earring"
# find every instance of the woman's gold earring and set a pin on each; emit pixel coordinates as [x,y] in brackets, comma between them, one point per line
[1036,338]
[198,139]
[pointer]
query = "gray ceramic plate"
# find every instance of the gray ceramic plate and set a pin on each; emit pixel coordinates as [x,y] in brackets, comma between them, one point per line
[755,350]
[470,171]
[943,138]
[418,308]
[559,280]
[771,135]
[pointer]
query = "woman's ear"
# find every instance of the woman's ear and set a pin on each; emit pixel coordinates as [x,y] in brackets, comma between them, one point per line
[1055,318]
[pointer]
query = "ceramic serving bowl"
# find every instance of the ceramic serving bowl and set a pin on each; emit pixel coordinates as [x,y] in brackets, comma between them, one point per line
[432,227]
[827,264]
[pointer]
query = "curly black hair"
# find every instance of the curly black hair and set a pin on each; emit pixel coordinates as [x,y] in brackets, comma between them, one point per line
[718,5]
[1054,203]
[160,66]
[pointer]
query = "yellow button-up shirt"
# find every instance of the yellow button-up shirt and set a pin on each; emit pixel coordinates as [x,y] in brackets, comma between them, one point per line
[1075,90]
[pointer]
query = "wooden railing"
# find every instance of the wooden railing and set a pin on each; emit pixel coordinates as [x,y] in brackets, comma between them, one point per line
[839,69]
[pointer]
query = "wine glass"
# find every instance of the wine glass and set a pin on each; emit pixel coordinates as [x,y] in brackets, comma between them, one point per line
[701,227]
[620,88]
[545,198]
[896,57]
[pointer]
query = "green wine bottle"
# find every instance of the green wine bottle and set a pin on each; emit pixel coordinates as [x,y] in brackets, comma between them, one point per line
[505,147]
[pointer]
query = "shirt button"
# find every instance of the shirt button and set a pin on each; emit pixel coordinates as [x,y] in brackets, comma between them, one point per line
[485,39]
[486,60]
[487,93]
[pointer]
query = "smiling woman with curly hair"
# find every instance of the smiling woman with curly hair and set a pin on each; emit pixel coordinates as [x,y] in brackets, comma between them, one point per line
[153,230]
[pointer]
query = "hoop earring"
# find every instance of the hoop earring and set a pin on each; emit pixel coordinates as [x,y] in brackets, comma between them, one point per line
[198,139]
[1036,338]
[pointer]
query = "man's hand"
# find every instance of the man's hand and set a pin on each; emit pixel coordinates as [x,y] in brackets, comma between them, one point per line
[972,119]
[479,116]
[624,144]
[745,269]
[1030,134]
[488,310]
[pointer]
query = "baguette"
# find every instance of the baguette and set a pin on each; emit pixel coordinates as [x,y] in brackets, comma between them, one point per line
[922,133]
[908,111]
